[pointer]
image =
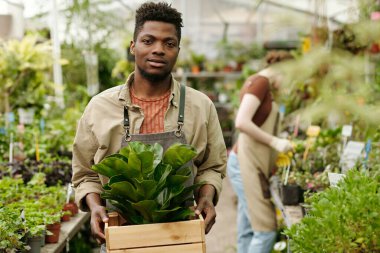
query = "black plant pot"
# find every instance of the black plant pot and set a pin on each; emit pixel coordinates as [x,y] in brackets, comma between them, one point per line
[290,194]
[35,244]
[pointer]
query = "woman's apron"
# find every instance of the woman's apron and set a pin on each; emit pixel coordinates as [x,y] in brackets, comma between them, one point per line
[255,157]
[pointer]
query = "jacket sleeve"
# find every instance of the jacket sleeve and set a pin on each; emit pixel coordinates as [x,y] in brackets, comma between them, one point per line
[84,179]
[212,169]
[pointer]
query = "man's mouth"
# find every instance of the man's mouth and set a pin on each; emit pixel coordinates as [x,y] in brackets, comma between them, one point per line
[157,63]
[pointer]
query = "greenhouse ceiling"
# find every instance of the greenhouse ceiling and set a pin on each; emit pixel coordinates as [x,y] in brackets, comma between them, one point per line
[341,11]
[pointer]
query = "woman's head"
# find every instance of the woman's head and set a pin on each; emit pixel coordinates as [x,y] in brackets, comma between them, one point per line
[276,56]
[272,58]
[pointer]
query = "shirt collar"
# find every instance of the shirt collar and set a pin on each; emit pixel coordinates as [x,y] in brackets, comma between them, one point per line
[124,94]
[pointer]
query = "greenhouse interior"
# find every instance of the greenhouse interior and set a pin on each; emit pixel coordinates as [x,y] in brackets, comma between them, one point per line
[271,106]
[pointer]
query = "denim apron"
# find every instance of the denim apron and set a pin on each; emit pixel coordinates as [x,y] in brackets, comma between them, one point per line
[166,139]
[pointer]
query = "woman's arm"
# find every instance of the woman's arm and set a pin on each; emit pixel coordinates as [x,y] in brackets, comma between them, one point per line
[248,107]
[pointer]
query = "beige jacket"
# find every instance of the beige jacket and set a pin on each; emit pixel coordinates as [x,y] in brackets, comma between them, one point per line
[100,130]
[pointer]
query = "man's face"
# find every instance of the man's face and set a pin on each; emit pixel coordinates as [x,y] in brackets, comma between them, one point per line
[156,49]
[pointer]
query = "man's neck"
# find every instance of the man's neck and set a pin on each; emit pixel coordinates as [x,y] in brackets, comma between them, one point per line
[144,88]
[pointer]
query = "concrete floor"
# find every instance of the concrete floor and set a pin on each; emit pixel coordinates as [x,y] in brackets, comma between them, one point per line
[222,237]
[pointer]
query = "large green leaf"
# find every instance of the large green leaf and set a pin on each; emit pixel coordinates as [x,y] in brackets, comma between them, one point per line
[179,154]
[181,214]
[184,171]
[125,151]
[134,161]
[116,179]
[145,188]
[115,164]
[162,215]
[146,207]
[177,179]
[158,151]
[163,196]
[185,195]
[125,189]
[167,194]
[128,212]
[106,170]
[161,172]
[146,158]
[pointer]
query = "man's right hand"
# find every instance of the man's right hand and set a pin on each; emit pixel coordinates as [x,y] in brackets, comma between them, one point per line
[98,216]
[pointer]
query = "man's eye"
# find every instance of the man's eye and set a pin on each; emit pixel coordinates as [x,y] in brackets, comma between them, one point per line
[171,44]
[146,41]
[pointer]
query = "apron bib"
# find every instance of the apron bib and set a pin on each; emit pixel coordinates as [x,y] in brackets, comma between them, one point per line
[166,139]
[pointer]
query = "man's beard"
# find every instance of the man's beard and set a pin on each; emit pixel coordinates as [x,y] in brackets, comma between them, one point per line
[154,77]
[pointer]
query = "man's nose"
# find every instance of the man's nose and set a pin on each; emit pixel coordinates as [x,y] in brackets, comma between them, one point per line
[159,48]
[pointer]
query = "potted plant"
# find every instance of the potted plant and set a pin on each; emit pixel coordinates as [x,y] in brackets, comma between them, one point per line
[12,231]
[147,186]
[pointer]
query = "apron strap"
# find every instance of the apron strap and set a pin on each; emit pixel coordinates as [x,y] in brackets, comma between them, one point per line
[181,113]
[126,124]
[181,116]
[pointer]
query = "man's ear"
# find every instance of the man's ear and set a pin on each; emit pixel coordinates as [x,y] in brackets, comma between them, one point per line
[132,47]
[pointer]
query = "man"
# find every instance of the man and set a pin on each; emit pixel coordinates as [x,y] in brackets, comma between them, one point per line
[149,107]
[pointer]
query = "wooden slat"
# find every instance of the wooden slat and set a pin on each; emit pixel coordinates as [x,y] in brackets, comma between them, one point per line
[159,234]
[181,248]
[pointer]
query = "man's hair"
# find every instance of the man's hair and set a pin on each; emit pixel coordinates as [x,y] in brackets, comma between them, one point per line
[157,12]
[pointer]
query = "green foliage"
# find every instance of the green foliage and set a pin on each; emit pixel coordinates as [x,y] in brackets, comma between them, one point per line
[40,205]
[12,231]
[24,69]
[342,219]
[147,184]
[122,69]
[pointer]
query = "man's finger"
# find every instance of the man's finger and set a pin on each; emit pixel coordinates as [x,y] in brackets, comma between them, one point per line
[209,226]
[199,209]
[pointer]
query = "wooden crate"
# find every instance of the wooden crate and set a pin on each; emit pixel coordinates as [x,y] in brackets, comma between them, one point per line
[182,237]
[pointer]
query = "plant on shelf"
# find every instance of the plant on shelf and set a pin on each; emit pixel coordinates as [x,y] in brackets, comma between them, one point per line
[347,216]
[147,185]
[12,231]
[197,62]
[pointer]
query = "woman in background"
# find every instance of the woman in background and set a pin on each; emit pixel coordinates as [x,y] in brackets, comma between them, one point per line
[255,152]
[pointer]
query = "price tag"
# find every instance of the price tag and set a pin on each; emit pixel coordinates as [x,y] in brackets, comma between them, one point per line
[347,130]
[334,178]
[351,154]
[313,131]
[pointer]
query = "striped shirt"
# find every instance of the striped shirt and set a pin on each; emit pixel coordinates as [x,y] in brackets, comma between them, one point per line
[154,112]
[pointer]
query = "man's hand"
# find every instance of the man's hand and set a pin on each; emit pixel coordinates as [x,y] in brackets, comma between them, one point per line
[205,206]
[98,216]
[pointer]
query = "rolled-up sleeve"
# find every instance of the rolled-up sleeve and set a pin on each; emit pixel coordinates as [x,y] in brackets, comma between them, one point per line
[84,179]
[212,169]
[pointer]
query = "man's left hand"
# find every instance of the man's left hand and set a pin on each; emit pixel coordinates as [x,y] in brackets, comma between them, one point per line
[205,206]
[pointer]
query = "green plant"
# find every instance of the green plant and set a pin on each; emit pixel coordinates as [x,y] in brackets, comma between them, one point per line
[147,184]
[12,231]
[24,69]
[341,219]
